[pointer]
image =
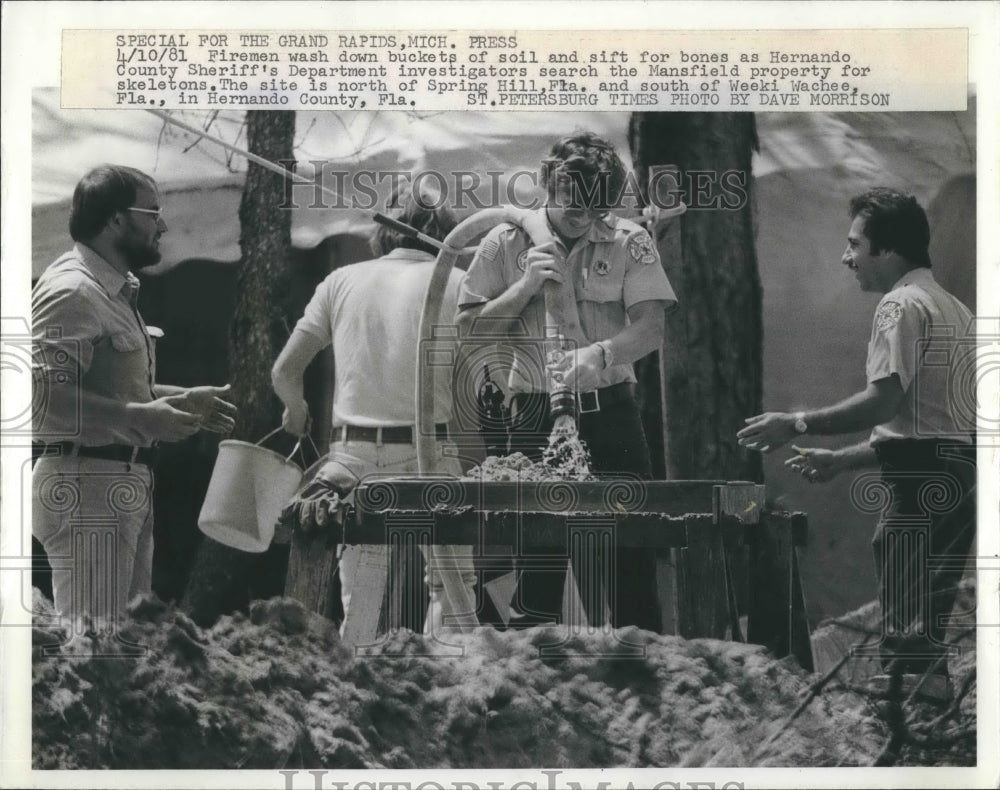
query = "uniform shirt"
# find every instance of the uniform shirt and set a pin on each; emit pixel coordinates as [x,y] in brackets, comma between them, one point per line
[370,312]
[920,333]
[614,266]
[87,333]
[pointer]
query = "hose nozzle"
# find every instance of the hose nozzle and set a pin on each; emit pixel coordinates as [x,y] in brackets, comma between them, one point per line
[562,402]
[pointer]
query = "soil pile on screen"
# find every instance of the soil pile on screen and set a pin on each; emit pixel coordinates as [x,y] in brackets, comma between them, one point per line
[564,458]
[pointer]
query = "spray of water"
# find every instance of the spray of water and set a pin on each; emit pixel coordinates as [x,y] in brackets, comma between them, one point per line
[565,458]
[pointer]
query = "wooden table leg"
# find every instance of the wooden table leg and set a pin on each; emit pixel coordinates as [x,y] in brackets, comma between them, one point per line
[777,612]
[312,559]
[734,506]
[702,602]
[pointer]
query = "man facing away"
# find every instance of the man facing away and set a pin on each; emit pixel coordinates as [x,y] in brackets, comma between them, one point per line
[921,414]
[369,313]
[99,410]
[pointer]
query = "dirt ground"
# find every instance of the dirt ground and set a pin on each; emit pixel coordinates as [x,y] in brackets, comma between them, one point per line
[276,689]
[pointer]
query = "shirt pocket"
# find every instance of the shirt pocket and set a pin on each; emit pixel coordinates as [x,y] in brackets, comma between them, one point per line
[132,356]
[602,288]
[605,276]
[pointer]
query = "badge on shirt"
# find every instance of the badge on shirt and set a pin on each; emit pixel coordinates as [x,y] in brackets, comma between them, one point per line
[888,315]
[602,267]
[640,247]
[522,260]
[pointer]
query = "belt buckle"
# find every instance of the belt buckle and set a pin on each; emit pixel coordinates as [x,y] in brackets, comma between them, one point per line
[580,396]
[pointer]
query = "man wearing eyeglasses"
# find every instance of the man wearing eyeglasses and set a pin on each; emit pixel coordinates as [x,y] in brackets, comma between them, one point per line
[621,294]
[98,412]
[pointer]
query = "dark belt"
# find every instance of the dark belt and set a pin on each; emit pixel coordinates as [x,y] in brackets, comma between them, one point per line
[395,434]
[124,453]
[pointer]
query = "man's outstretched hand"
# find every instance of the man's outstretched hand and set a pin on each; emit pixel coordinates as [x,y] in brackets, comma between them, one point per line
[207,403]
[815,464]
[768,431]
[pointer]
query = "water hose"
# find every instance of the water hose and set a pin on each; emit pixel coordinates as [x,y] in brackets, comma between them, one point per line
[561,318]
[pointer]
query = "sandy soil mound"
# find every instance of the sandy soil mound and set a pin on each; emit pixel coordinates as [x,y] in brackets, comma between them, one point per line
[277,689]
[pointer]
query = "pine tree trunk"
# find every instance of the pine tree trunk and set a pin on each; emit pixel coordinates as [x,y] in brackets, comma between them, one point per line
[713,353]
[260,327]
[221,577]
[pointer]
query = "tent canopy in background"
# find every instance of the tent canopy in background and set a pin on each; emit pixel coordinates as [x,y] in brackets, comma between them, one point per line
[201,186]
[201,182]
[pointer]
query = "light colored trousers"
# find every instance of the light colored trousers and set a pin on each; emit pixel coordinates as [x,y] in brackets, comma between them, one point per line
[95,520]
[364,568]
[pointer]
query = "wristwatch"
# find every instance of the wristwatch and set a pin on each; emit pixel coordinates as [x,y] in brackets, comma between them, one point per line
[800,422]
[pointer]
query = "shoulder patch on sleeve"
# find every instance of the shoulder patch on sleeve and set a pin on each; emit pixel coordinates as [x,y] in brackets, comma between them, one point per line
[488,249]
[888,315]
[641,249]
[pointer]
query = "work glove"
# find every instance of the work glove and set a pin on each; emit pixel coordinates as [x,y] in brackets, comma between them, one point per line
[320,499]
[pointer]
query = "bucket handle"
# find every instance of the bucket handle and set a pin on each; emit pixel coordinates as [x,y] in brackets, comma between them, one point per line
[298,445]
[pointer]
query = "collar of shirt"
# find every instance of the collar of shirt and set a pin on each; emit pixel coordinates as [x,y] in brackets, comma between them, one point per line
[919,276]
[111,280]
[407,254]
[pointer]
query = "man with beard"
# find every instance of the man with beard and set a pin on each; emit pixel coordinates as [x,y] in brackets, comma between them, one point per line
[98,411]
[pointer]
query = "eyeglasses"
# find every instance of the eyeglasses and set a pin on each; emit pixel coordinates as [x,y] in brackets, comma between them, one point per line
[156,212]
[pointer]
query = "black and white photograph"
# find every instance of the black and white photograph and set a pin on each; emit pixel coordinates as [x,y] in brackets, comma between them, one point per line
[498,447]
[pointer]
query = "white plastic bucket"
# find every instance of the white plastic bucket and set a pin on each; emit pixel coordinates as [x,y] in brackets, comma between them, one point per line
[249,487]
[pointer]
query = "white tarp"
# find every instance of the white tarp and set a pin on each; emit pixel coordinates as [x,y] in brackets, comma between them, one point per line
[202,182]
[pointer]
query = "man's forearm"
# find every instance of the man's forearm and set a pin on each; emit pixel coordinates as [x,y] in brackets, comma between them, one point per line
[875,405]
[288,388]
[288,372]
[165,390]
[856,456]
[499,314]
[639,338]
[643,334]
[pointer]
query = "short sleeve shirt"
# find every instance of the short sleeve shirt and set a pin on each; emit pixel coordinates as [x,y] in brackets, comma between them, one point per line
[370,313]
[922,334]
[614,266]
[87,333]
